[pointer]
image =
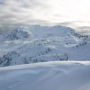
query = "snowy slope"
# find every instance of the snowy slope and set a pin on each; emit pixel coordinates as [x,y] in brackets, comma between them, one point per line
[65,75]
[31,44]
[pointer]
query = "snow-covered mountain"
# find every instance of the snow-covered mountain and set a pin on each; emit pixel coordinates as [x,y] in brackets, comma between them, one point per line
[31,44]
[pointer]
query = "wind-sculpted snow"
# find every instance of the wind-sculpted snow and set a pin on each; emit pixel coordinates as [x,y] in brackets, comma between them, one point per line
[67,75]
[31,44]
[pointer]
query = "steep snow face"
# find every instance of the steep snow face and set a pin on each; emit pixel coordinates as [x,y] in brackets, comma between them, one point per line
[31,44]
[46,76]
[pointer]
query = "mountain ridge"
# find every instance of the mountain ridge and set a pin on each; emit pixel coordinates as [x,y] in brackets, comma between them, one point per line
[31,44]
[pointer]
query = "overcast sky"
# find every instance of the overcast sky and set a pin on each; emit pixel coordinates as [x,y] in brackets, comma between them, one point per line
[36,11]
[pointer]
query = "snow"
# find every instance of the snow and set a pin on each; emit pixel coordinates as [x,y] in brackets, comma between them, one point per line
[55,75]
[54,54]
[34,43]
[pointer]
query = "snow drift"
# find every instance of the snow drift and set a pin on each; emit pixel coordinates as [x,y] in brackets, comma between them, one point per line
[73,75]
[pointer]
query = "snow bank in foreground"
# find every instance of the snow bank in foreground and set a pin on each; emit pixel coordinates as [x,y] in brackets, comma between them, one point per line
[65,75]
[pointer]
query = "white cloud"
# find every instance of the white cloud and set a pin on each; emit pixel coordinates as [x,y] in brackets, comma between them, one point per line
[36,11]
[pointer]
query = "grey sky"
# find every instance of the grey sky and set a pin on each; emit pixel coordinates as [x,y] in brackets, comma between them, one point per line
[38,11]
